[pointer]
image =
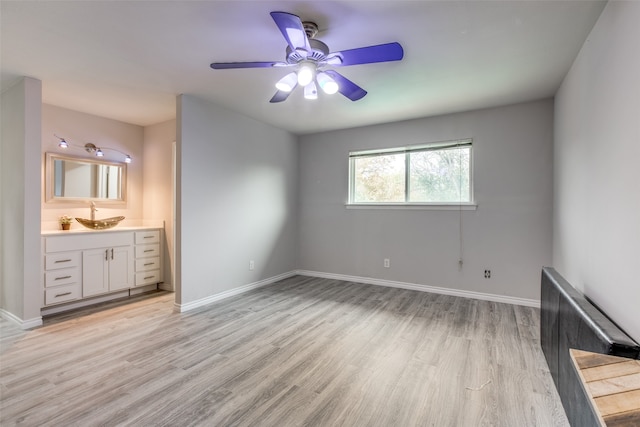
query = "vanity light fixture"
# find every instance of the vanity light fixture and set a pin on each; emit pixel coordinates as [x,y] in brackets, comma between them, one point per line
[92,148]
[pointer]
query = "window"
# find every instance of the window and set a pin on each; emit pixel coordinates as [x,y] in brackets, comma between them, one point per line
[438,173]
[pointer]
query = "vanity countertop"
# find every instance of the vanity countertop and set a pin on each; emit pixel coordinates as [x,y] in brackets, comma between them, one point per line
[81,230]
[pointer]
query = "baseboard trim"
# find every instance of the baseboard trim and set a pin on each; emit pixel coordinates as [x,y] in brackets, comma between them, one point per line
[424,288]
[166,286]
[24,324]
[181,308]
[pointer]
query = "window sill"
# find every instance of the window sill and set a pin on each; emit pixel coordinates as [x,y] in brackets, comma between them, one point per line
[415,206]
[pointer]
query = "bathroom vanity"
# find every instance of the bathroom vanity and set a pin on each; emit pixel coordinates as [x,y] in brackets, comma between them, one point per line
[81,266]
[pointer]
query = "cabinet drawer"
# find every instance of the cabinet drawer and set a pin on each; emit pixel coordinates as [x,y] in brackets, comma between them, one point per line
[61,260]
[145,251]
[147,236]
[146,264]
[63,276]
[62,294]
[147,277]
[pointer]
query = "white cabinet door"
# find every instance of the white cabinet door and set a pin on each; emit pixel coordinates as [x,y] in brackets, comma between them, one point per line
[95,272]
[106,270]
[120,268]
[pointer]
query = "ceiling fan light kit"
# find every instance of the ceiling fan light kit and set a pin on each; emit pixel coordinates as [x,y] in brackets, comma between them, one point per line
[311,58]
[311,91]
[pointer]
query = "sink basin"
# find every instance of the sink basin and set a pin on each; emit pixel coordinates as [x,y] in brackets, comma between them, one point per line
[100,224]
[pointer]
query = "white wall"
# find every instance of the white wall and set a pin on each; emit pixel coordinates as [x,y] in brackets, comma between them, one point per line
[509,233]
[237,181]
[20,292]
[158,176]
[596,244]
[79,128]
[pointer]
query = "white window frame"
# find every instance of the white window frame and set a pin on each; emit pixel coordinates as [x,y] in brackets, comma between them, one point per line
[466,205]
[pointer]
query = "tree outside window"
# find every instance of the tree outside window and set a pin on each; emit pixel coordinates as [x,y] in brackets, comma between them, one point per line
[439,173]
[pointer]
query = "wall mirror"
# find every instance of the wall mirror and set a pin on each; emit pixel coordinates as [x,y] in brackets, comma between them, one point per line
[71,179]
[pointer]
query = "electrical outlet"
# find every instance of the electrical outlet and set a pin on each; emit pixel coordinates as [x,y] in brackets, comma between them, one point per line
[487,274]
[252,265]
[387,263]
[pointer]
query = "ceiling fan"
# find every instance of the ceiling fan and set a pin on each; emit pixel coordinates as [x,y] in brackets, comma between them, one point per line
[310,57]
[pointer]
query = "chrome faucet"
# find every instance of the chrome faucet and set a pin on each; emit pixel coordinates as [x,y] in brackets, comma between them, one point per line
[92,205]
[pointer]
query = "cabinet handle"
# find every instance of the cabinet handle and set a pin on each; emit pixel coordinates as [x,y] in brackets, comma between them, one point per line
[149,250]
[62,260]
[149,263]
[62,278]
[148,237]
[106,254]
[111,253]
[63,294]
[149,277]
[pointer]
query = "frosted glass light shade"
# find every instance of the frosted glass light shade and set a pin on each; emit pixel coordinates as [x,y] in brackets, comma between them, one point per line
[305,74]
[287,83]
[327,84]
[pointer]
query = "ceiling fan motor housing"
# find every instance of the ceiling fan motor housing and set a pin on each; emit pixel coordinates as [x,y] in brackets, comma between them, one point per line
[319,52]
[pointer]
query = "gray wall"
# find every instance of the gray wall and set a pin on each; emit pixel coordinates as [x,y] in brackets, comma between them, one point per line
[236,200]
[510,232]
[20,201]
[597,146]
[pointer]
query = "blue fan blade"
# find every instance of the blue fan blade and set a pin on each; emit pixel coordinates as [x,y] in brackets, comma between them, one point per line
[280,96]
[228,65]
[367,55]
[291,28]
[346,86]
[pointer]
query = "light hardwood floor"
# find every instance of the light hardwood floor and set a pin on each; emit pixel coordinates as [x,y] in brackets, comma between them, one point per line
[303,351]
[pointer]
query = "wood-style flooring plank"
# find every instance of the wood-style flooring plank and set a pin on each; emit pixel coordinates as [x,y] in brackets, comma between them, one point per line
[301,352]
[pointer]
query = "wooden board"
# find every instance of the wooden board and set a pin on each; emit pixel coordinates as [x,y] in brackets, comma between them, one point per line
[613,386]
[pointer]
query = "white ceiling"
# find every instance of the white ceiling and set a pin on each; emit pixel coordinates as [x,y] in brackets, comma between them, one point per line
[127,60]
